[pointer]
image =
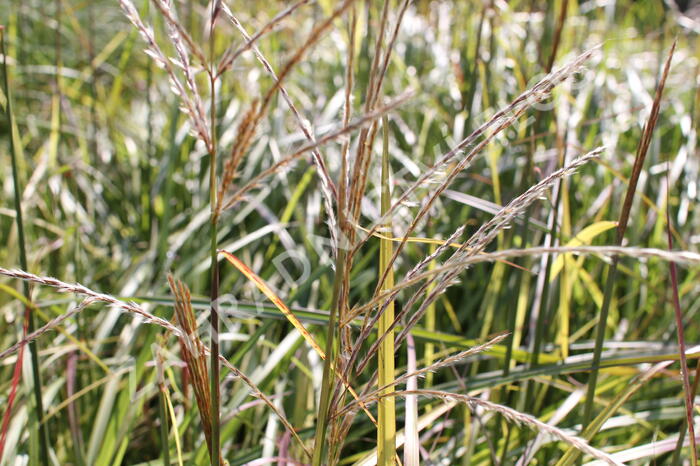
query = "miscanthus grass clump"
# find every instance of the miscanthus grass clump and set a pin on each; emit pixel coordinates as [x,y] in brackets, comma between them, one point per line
[349,232]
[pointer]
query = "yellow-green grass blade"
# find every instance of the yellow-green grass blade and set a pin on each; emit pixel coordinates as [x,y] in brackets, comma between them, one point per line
[386,418]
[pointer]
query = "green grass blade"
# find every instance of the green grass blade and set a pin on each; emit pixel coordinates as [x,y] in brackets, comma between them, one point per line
[386,428]
[37,385]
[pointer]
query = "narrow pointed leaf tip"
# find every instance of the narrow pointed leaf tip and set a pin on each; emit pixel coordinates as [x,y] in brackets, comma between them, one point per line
[267,291]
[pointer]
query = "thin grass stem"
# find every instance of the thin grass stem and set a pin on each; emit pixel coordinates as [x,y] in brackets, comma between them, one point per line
[320,447]
[642,149]
[213,253]
[31,325]
[386,408]
[162,410]
[688,392]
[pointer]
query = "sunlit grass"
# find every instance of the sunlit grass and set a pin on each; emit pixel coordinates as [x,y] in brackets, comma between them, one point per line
[250,134]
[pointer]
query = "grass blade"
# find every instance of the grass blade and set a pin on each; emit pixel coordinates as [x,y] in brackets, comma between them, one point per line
[327,382]
[386,418]
[291,317]
[411,453]
[16,377]
[162,405]
[29,315]
[262,286]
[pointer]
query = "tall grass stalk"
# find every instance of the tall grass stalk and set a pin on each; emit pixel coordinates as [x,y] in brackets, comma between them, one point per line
[92,135]
[320,447]
[411,449]
[688,392]
[675,459]
[162,407]
[215,372]
[386,408]
[642,149]
[29,314]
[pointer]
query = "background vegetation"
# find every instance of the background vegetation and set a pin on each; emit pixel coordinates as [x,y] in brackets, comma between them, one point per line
[115,182]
